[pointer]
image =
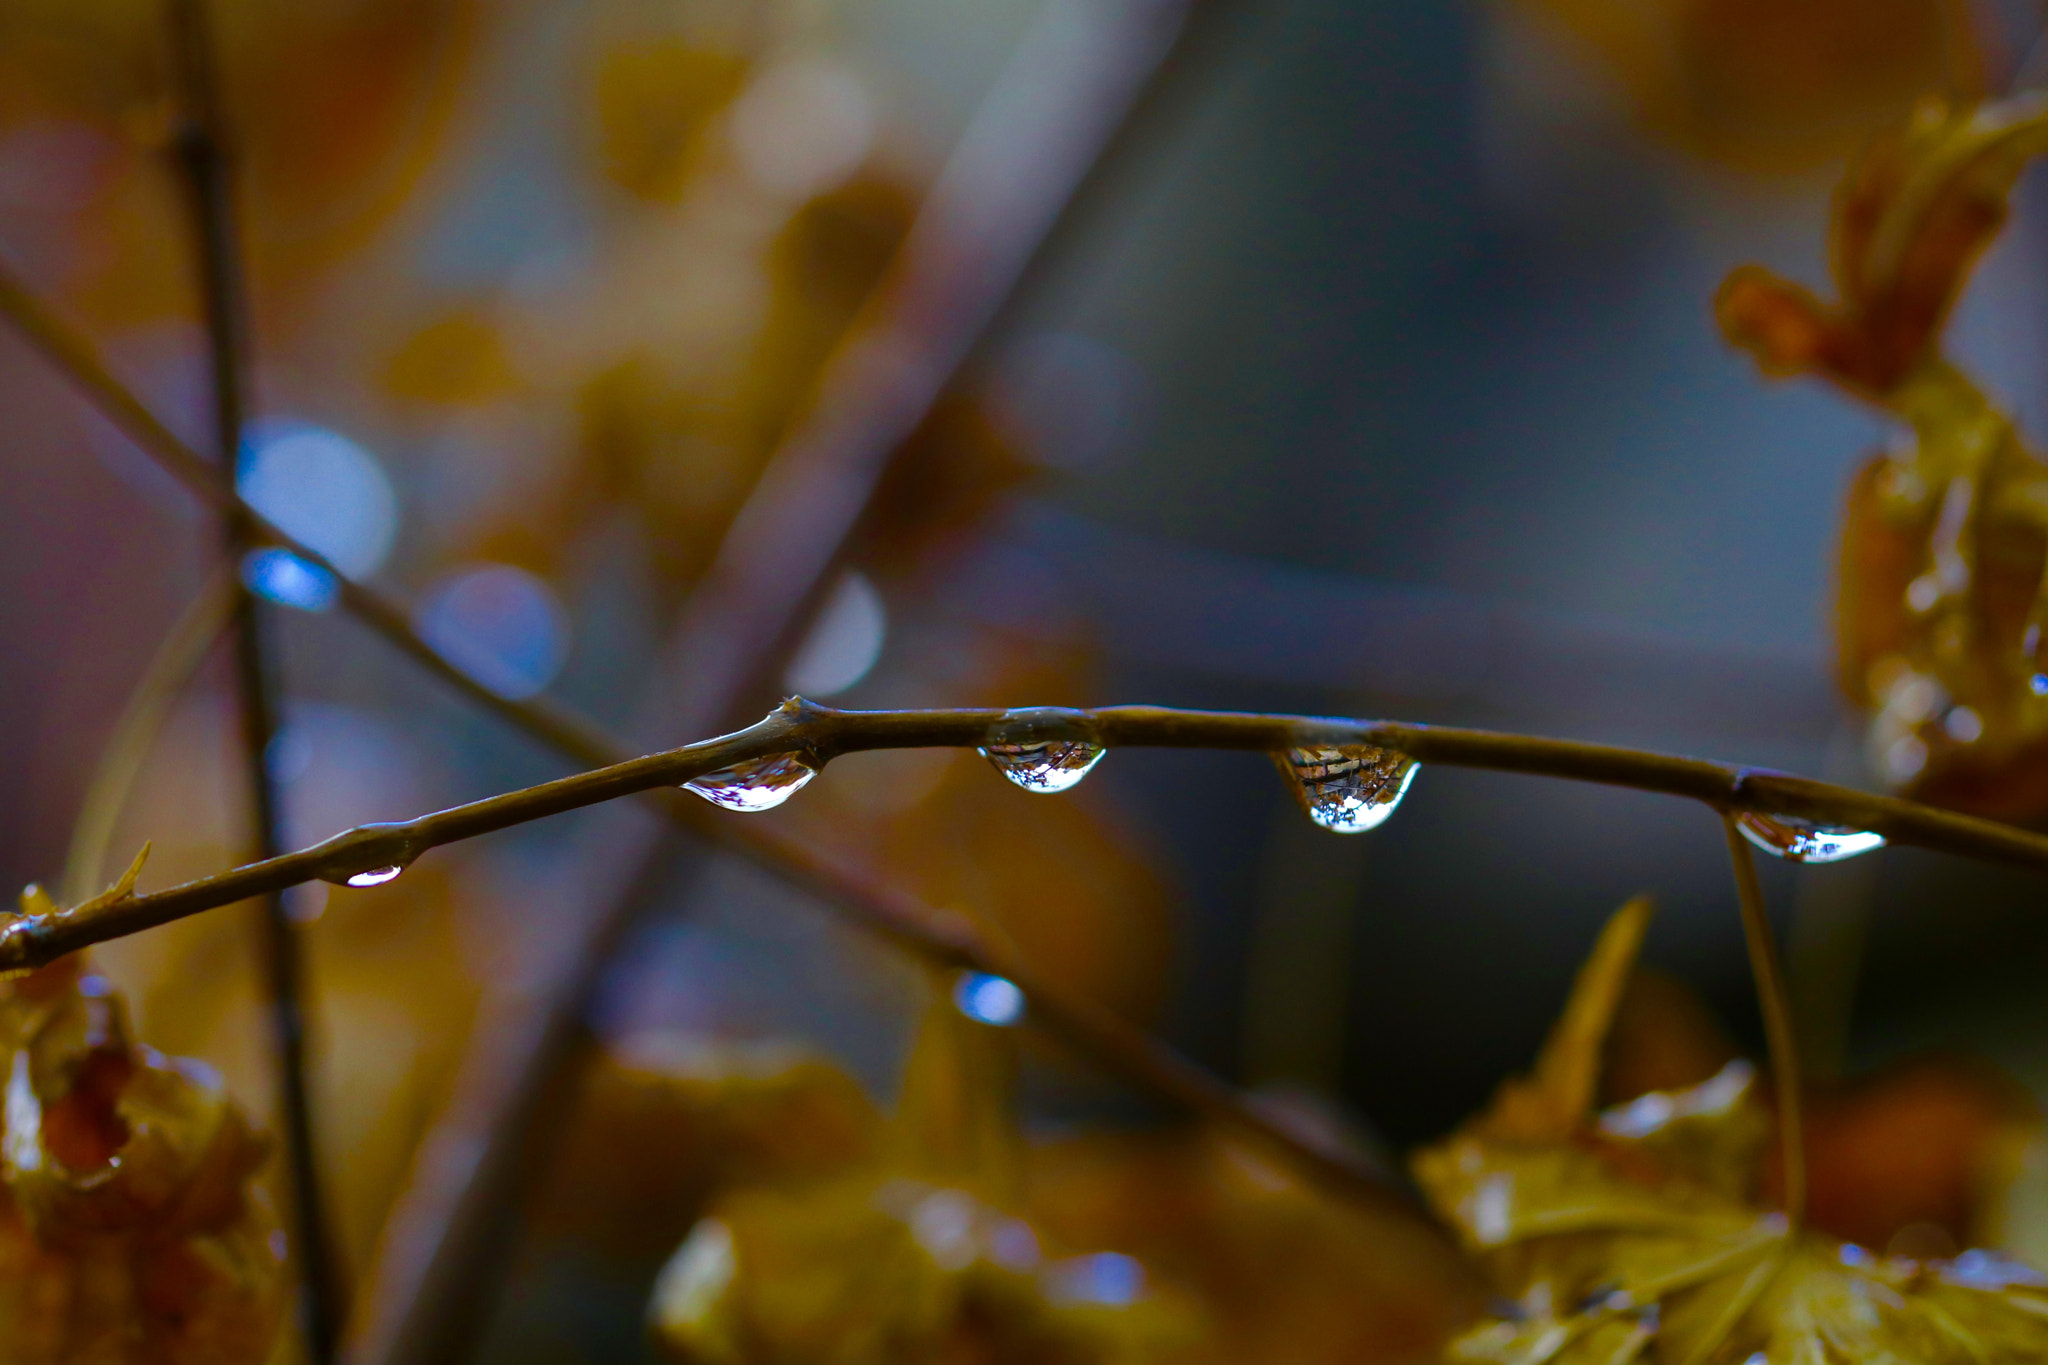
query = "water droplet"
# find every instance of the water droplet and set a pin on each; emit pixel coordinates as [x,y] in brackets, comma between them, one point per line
[1043,748]
[757,784]
[374,876]
[1348,788]
[1923,592]
[989,999]
[1804,841]
[1964,725]
[2038,684]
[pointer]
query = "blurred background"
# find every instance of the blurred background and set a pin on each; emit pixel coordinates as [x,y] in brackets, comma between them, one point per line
[1342,358]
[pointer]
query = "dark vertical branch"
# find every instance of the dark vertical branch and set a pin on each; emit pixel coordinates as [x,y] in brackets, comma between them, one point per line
[202,155]
[1776,1005]
[1037,139]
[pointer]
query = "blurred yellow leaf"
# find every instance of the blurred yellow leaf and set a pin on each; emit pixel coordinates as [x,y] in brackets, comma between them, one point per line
[130,1226]
[1941,609]
[1773,85]
[1636,1233]
[655,98]
[923,1257]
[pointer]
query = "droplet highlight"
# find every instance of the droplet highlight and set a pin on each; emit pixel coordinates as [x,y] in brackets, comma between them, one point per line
[758,784]
[1043,749]
[1805,841]
[374,876]
[1348,788]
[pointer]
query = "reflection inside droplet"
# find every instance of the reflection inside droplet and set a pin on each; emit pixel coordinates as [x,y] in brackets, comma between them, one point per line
[1805,841]
[375,876]
[989,999]
[1348,788]
[1043,749]
[757,784]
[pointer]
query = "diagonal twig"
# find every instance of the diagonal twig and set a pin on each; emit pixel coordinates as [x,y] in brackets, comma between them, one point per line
[191,638]
[202,153]
[813,735]
[1027,151]
[1095,1033]
[1006,189]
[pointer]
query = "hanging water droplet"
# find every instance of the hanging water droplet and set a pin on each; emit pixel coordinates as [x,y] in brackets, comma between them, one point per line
[1348,788]
[374,876]
[757,784]
[1043,748]
[1805,841]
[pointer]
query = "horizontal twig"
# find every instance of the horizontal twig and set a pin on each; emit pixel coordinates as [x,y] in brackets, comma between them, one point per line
[819,733]
[1096,1033]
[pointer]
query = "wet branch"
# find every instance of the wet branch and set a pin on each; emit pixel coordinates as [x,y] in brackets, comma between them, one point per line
[818,734]
[1096,1033]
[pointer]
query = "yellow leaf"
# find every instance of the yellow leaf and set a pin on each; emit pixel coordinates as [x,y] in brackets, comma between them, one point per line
[1634,1234]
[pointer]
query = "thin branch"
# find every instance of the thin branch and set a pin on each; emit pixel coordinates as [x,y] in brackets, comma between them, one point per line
[818,734]
[1776,1005]
[203,154]
[1098,1034]
[191,637]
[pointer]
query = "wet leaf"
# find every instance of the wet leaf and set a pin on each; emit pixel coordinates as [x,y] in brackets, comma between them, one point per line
[924,1256]
[1288,1275]
[1911,220]
[666,1121]
[130,1226]
[1941,609]
[1639,1233]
